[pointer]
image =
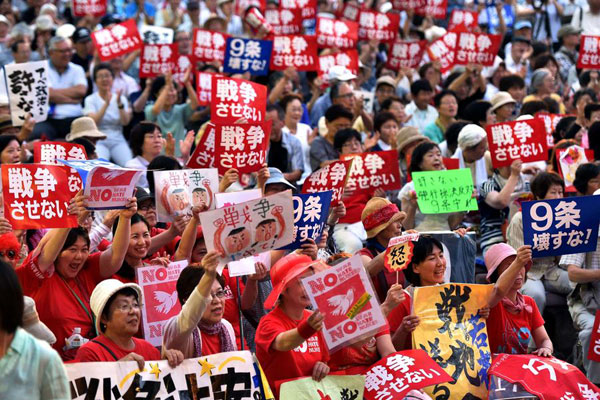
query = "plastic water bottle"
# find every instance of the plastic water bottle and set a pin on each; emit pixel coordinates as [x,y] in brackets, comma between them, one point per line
[75,340]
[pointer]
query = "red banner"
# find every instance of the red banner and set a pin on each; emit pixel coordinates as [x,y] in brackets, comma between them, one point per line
[517,140]
[550,121]
[373,25]
[120,39]
[203,87]
[208,46]
[408,4]
[285,21]
[241,146]
[308,7]
[399,373]
[433,8]
[477,48]
[463,19]
[96,8]
[406,54]
[349,12]
[338,34]
[348,59]
[158,59]
[50,152]
[594,350]
[537,374]
[330,177]
[443,49]
[373,170]
[297,51]
[589,52]
[37,196]
[235,99]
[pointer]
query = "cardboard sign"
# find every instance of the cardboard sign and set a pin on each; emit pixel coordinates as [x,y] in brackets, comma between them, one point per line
[399,252]
[204,153]
[517,140]
[107,185]
[433,8]
[297,51]
[440,192]
[156,34]
[344,295]
[241,146]
[335,33]
[477,48]
[349,12]
[443,50]
[310,217]
[373,25]
[285,21]
[569,160]
[347,58]
[247,55]
[37,196]
[158,59]
[538,374]
[95,8]
[406,54]
[208,46]
[210,377]
[332,387]
[234,99]
[408,4]
[399,373]
[120,39]
[561,226]
[331,177]
[51,152]
[160,297]
[308,7]
[594,349]
[550,122]
[178,191]
[463,19]
[373,170]
[589,54]
[450,324]
[27,86]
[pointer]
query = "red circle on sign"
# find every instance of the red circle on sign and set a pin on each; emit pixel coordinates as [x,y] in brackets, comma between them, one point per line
[330,279]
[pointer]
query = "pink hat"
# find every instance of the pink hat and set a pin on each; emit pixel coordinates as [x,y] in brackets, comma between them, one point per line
[496,254]
[285,270]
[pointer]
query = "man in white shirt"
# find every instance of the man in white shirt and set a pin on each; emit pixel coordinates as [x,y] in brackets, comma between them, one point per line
[421,112]
[589,21]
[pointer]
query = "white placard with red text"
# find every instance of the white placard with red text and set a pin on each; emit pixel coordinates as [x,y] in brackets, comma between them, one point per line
[517,140]
[120,39]
[340,34]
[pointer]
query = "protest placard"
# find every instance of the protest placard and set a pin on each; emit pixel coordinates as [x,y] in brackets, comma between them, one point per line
[463,19]
[397,374]
[158,285]
[373,25]
[203,87]
[51,152]
[182,62]
[37,196]
[234,99]
[310,216]
[332,387]
[297,51]
[477,48]
[594,349]
[208,46]
[241,146]
[342,34]
[349,12]
[27,85]
[589,52]
[227,199]
[234,374]
[433,8]
[285,21]
[247,266]
[453,333]
[117,40]
[246,229]
[346,58]
[517,140]
[107,185]
[330,177]
[177,191]
[500,389]
[247,55]
[308,7]
[345,297]
[204,153]
[399,252]
[406,54]
[373,170]
[443,50]
[569,160]
[242,5]
[561,226]
[446,191]
[157,59]
[95,8]
[538,374]
[152,34]
[550,122]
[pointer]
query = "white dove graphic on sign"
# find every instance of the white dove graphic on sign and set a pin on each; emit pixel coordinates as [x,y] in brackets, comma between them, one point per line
[341,302]
[110,175]
[167,301]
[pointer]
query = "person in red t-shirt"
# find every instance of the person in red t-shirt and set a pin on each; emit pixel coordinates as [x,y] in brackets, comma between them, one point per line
[60,275]
[116,306]
[514,318]
[288,342]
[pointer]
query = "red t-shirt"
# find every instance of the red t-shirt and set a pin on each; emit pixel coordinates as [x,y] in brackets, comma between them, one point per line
[169,248]
[396,316]
[232,309]
[57,307]
[285,365]
[357,359]
[211,344]
[510,333]
[355,205]
[94,352]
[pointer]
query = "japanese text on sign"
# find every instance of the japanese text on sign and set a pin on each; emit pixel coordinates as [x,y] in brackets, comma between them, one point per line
[27,91]
[399,252]
[372,170]
[378,26]
[330,177]
[347,58]
[440,192]
[408,4]
[120,39]
[203,87]
[478,48]
[204,154]
[51,152]
[434,9]
[296,51]
[208,45]
[285,21]
[550,121]
[308,7]
[96,8]
[589,52]
[237,98]
[463,18]
[517,140]
[241,146]
[349,12]
[310,216]
[443,49]
[406,54]
[157,59]
[247,55]
[335,33]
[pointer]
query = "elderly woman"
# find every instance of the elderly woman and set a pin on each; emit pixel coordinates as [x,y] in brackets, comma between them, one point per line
[406,140]
[543,85]
[10,149]
[472,147]
[446,104]
[146,142]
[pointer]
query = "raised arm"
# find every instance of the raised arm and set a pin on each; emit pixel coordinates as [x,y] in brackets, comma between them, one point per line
[158,106]
[289,340]
[506,280]
[166,237]
[112,258]
[188,238]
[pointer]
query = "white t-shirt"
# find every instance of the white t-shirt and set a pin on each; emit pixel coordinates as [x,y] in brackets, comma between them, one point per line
[302,133]
[110,123]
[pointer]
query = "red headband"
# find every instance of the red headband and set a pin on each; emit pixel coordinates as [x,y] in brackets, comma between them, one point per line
[380,216]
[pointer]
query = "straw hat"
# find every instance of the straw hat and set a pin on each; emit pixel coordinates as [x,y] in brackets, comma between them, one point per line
[500,99]
[104,291]
[32,323]
[378,214]
[84,127]
[284,271]
[407,136]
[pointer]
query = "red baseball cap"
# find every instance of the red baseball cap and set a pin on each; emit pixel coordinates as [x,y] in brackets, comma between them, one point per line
[284,271]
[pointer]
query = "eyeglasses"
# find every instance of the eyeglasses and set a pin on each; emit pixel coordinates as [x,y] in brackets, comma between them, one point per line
[147,207]
[218,294]
[351,143]
[126,308]
[345,96]
[10,254]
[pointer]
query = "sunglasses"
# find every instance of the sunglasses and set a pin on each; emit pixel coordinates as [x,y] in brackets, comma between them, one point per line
[10,254]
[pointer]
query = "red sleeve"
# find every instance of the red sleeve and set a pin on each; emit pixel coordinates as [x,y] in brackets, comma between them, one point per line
[86,353]
[385,330]
[149,352]
[267,332]
[92,268]
[536,318]
[103,245]
[397,314]
[30,276]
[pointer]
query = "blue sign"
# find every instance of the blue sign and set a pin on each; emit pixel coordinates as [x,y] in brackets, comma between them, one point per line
[561,226]
[85,166]
[311,211]
[494,21]
[247,55]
